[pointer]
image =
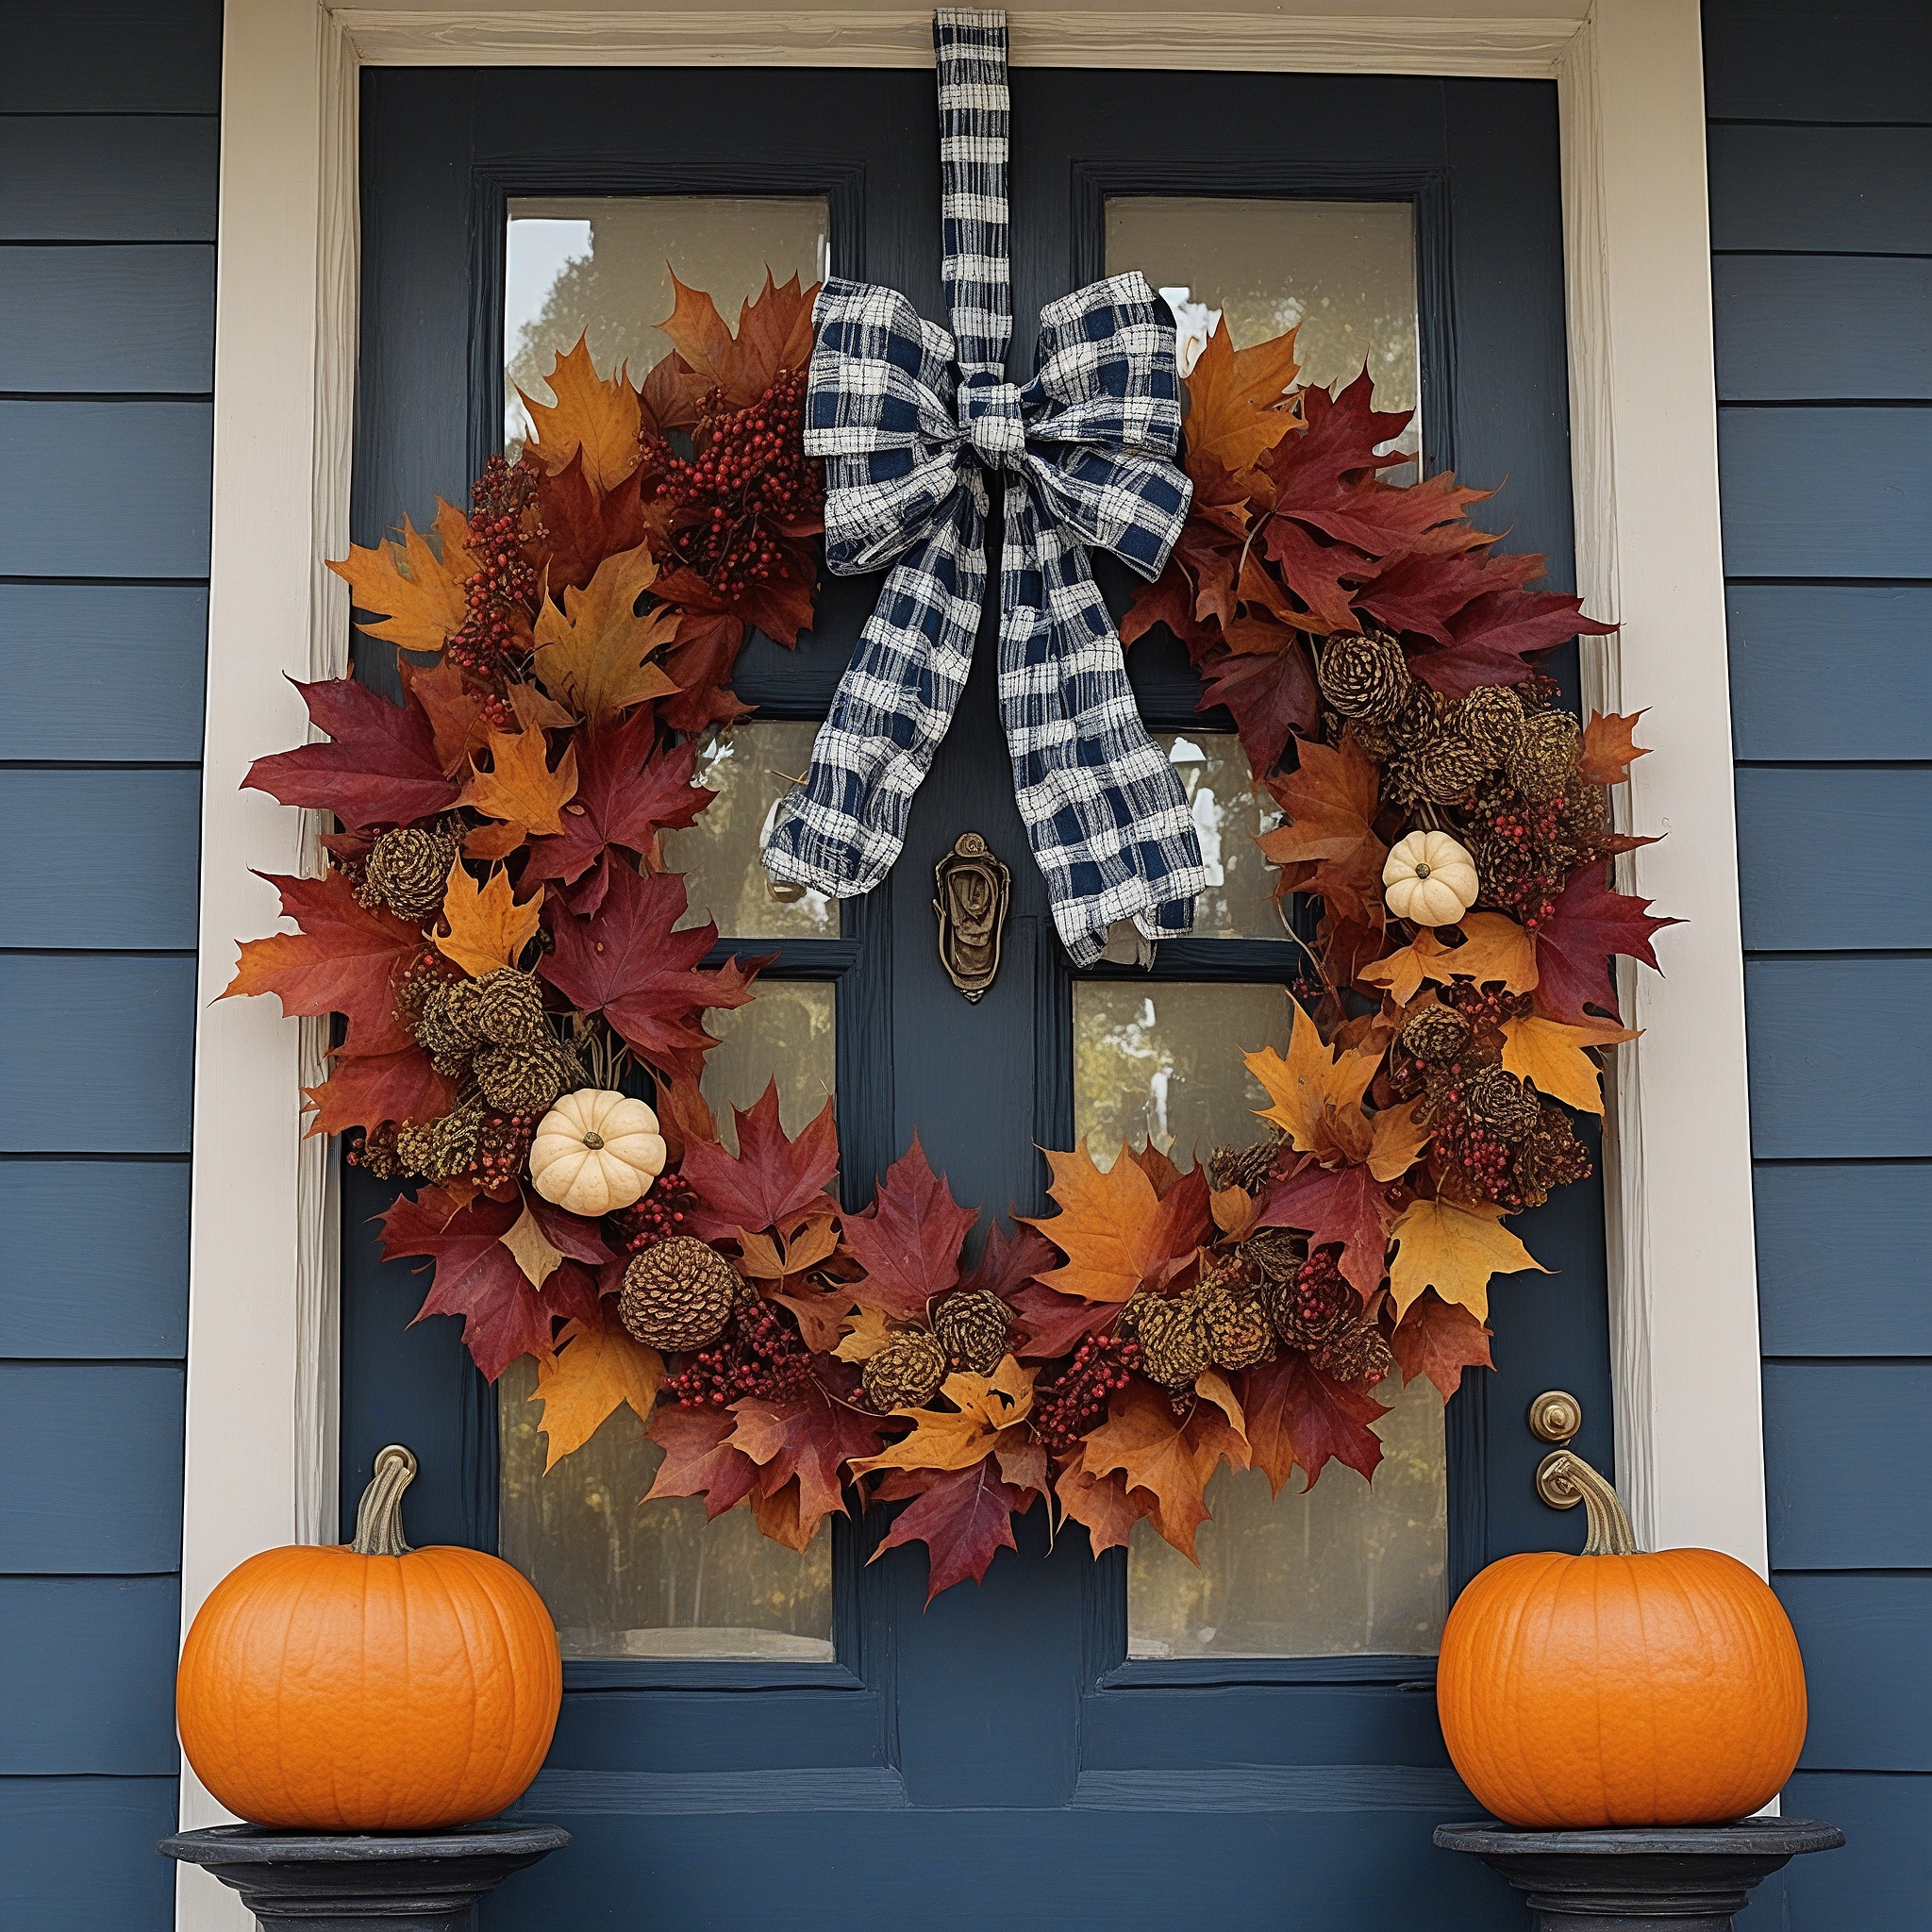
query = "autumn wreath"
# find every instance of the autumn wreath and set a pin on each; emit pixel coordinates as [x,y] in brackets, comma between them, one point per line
[520,1016]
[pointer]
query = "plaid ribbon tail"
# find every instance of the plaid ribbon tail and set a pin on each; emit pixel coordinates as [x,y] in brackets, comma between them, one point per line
[911,421]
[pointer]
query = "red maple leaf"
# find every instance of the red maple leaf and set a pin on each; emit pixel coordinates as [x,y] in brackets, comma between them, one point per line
[1574,944]
[1295,1414]
[570,1235]
[908,1240]
[807,1440]
[699,1459]
[476,1278]
[770,1179]
[1440,1340]
[365,1089]
[964,1517]
[1010,1259]
[381,769]
[1346,1206]
[1052,1323]
[582,526]
[1272,696]
[1492,637]
[1321,574]
[343,961]
[625,795]
[628,963]
[1420,593]
[701,663]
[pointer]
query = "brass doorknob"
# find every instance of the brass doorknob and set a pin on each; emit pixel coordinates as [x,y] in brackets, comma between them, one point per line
[1555,1416]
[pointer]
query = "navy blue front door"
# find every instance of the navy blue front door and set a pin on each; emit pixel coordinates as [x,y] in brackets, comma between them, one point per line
[997,1755]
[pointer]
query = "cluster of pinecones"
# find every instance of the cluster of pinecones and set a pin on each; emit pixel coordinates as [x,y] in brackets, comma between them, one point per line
[1496,1139]
[969,1332]
[1499,768]
[1266,1293]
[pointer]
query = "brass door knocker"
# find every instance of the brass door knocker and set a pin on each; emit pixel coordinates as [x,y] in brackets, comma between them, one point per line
[974,888]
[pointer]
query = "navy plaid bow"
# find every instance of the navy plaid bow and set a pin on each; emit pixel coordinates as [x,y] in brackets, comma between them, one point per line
[911,421]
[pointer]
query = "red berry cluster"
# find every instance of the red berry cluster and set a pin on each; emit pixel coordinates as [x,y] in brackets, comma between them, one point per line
[1322,1294]
[1077,1399]
[499,595]
[655,1218]
[748,481]
[1472,1163]
[503,1145]
[760,1354]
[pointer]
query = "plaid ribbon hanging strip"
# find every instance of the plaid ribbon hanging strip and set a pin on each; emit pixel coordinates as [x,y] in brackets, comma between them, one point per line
[913,423]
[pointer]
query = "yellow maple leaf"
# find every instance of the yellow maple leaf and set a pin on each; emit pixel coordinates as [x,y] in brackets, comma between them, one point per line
[1494,949]
[520,787]
[986,1408]
[1235,399]
[1397,1141]
[1108,1225]
[421,598]
[1317,1093]
[867,1332]
[597,416]
[1554,1057]
[1455,1250]
[453,532]
[533,1250]
[593,1374]
[488,926]
[593,653]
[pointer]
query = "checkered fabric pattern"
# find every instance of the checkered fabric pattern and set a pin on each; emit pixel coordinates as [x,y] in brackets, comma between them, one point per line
[913,423]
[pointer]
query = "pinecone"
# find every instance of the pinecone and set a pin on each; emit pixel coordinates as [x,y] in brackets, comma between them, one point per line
[1357,1353]
[408,871]
[679,1295]
[525,1079]
[440,1149]
[972,1324]
[1502,1103]
[906,1372]
[1173,1332]
[1250,1168]
[1311,1306]
[445,1024]
[1585,812]
[1549,1157]
[1364,676]
[1490,718]
[1240,1333]
[1444,768]
[1273,1254]
[508,1008]
[1435,1034]
[1545,762]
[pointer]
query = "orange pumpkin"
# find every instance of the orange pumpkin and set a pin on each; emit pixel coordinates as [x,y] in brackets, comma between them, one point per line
[1617,1687]
[371,1686]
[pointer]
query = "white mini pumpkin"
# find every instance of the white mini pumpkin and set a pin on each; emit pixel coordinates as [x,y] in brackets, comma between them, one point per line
[1429,880]
[596,1151]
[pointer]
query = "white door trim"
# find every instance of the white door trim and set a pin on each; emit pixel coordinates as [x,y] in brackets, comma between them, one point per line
[262,1379]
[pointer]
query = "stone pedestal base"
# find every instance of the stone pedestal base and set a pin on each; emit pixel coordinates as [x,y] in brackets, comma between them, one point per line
[1690,1878]
[426,1881]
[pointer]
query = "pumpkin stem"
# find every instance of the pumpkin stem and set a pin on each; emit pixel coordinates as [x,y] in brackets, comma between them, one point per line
[1610,1534]
[379,1517]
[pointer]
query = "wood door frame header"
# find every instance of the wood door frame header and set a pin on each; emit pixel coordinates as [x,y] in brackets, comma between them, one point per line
[262,1341]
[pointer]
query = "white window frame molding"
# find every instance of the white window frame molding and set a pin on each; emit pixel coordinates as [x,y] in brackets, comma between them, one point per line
[262,1320]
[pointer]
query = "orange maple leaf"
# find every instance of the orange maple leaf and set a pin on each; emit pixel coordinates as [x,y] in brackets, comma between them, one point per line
[594,1373]
[1494,949]
[1317,1093]
[593,653]
[1106,1225]
[1238,407]
[520,787]
[774,333]
[1608,752]
[599,417]
[1396,1142]
[1169,1457]
[988,1409]
[1455,1250]
[1331,799]
[1555,1058]
[488,925]
[419,593]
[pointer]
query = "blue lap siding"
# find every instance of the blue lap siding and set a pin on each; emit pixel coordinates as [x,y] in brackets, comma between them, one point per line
[108,141]
[1820,198]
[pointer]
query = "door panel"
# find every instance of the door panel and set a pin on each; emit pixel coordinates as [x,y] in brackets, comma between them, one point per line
[1013,1747]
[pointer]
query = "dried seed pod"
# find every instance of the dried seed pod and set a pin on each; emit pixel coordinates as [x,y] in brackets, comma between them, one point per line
[1544,760]
[1490,718]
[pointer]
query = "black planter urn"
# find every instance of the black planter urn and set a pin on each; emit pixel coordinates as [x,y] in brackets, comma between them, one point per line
[1686,1878]
[405,1881]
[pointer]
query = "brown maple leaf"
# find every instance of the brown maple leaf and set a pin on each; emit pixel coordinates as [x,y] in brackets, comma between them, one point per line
[1317,1093]
[1607,750]
[1455,1250]
[699,1459]
[457,727]
[808,1440]
[583,524]
[771,1179]
[366,1090]
[520,789]
[1494,951]
[1172,1457]
[1345,1207]
[1440,1340]
[908,1240]
[488,927]
[1237,401]
[1295,1414]
[1114,1228]
[1101,1504]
